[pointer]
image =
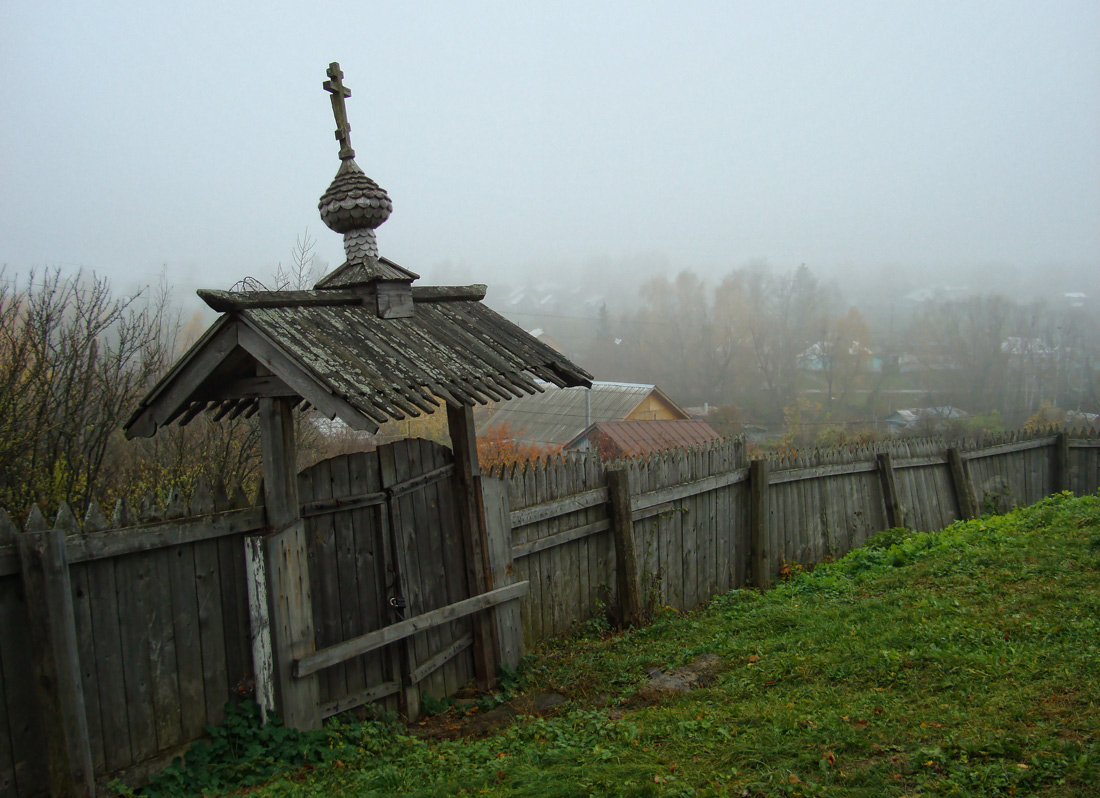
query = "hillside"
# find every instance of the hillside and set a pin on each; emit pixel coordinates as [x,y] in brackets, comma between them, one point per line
[964,662]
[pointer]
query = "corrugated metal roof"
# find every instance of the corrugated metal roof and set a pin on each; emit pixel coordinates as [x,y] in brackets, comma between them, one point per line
[650,435]
[556,416]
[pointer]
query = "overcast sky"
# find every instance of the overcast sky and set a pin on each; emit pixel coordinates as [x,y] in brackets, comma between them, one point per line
[520,139]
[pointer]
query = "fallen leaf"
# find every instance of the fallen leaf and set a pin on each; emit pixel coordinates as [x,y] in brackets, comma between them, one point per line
[753,658]
[793,779]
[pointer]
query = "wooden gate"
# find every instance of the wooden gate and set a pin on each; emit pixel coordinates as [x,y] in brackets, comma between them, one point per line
[385,547]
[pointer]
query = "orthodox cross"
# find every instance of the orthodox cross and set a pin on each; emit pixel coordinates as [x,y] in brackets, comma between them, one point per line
[335,85]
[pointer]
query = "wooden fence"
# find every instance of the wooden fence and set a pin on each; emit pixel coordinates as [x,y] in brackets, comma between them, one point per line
[695,532]
[159,598]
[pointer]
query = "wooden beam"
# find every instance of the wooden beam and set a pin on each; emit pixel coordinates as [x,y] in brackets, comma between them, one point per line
[471,510]
[674,493]
[441,658]
[817,472]
[965,495]
[1063,479]
[895,516]
[1009,448]
[563,506]
[371,641]
[498,531]
[357,700]
[52,633]
[560,538]
[758,524]
[131,539]
[628,580]
[232,301]
[286,566]
[449,293]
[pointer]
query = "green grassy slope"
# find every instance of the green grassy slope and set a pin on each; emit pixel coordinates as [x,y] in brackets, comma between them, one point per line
[965,662]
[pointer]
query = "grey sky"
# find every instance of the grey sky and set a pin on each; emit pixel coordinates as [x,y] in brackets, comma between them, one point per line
[518,137]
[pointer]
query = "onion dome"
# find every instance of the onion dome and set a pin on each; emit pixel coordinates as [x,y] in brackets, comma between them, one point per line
[353,201]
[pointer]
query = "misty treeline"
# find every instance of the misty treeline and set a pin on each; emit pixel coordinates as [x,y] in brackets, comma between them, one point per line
[75,361]
[783,347]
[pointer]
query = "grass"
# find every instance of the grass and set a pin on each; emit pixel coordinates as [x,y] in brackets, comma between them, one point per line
[965,662]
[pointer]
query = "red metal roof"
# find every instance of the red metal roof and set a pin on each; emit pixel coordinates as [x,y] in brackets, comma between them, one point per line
[641,437]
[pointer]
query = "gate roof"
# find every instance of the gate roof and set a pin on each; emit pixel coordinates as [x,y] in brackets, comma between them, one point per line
[364,345]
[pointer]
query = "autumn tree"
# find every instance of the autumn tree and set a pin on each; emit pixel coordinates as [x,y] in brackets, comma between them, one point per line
[845,355]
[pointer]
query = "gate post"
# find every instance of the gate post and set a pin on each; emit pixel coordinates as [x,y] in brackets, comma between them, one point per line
[471,509]
[285,568]
[56,661]
[631,610]
[498,528]
[895,516]
[762,557]
[965,494]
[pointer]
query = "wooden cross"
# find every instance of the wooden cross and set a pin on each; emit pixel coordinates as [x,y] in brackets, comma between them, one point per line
[335,85]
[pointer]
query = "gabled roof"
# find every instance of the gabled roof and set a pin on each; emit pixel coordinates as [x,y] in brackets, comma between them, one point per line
[333,350]
[350,273]
[557,415]
[651,435]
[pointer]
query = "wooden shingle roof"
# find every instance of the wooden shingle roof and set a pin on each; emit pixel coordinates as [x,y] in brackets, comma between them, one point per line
[333,350]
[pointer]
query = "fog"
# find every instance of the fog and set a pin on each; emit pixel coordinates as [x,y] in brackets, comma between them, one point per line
[891,147]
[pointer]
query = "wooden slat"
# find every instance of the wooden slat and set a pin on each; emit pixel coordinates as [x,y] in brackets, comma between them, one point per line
[509,632]
[162,655]
[359,699]
[563,506]
[369,562]
[403,584]
[427,544]
[1010,448]
[353,502]
[441,659]
[89,670]
[118,542]
[24,718]
[403,629]
[422,481]
[560,538]
[676,492]
[920,462]
[8,784]
[347,575]
[817,472]
[211,630]
[133,574]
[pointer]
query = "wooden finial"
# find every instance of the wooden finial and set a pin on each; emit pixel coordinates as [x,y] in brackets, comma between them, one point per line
[335,86]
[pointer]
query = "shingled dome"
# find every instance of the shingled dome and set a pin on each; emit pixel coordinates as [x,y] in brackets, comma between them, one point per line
[354,201]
